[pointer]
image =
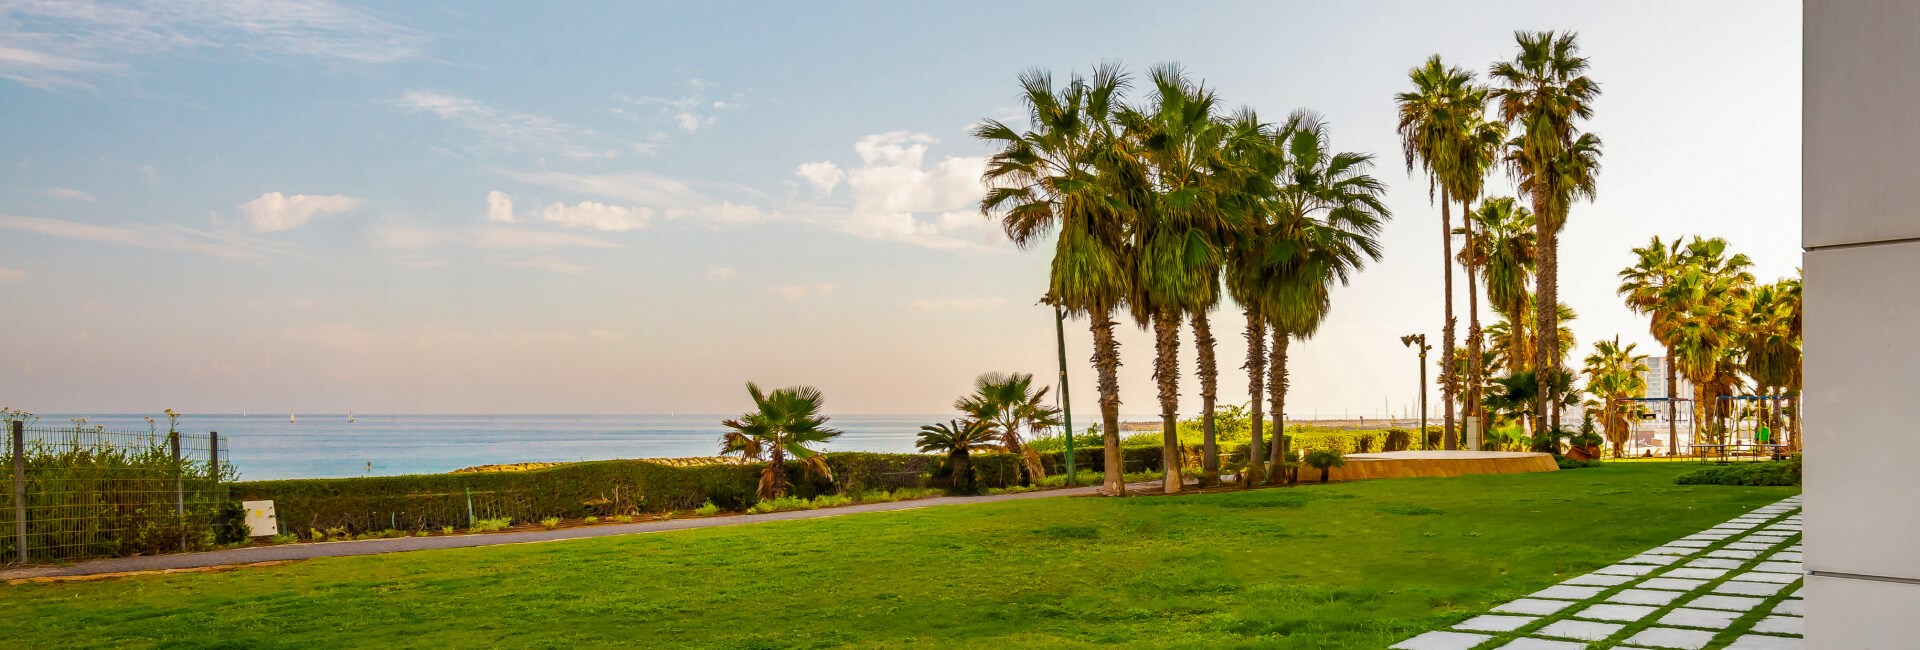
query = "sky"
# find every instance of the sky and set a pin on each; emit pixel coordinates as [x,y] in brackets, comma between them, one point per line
[450,207]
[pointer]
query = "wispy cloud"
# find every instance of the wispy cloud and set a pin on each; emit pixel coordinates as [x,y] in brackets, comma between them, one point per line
[692,110]
[958,304]
[275,212]
[173,237]
[666,197]
[721,273]
[69,194]
[512,129]
[597,216]
[12,275]
[67,44]
[518,238]
[544,263]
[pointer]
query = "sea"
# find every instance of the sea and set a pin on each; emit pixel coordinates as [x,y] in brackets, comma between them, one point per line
[265,446]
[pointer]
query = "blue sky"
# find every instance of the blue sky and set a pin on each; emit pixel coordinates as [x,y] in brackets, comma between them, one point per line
[427,207]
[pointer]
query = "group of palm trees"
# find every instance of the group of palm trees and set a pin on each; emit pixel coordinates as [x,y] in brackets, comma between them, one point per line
[1001,406]
[1157,205]
[1723,331]
[1526,120]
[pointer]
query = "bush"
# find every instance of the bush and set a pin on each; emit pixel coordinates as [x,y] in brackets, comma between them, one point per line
[1770,473]
[230,524]
[707,509]
[591,519]
[1398,440]
[490,525]
[550,523]
[1569,463]
[1324,460]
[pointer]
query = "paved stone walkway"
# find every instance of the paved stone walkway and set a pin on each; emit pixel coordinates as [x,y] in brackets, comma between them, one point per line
[252,554]
[1735,585]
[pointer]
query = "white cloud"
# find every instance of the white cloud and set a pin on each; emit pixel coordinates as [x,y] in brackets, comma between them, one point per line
[499,207]
[12,275]
[173,237]
[721,273]
[801,291]
[823,176]
[275,212]
[597,216]
[690,111]
[65,44]
[896,196]
[666,197]
[69,194]
[958,304]
[512,129]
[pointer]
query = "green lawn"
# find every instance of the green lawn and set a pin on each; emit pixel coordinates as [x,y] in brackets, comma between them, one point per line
[1355,565]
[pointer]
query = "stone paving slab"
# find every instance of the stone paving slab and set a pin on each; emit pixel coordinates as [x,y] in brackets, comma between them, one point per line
[1583,630]
[1442,641]
[1495,623]
[1670,637]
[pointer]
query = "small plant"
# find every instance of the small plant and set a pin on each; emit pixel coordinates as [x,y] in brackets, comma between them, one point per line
[592,519]
[283,539]
[550,523]
[446,530]
[1325,460]
[421,533]
[490,525]
[315,535]
[831,500]
[623,519]
[707,509]
[666,516]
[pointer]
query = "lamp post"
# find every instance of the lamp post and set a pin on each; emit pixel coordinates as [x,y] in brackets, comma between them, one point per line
[1419,341]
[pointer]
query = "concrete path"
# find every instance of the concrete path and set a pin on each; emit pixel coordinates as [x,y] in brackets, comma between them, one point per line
[1735,585]
[306,551]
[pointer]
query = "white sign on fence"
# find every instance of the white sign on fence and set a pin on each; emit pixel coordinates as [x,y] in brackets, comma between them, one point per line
[261,522]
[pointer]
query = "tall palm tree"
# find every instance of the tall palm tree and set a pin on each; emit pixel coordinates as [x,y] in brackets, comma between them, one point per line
[1771,342]
[1256,161]
[1543,90]
[1010,404]
[958,439]
[1643,285]
[1061,175]
[1504,246]
[1327,217]
[1484,140]
[784,422]
[1178,136]
[1706,296]
[1616,373]
[1433,126]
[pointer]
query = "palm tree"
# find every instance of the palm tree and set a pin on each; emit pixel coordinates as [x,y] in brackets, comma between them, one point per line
[958,439]
[1615,373]
[1256,161]
[1543,91]
[1643,285]
[1484,140]
[1433,126]
[1327,215]
[1009,403]
[1179,138]
[1771,342]
[1504,246]
[1706,296]
[784,422]
[1061,174]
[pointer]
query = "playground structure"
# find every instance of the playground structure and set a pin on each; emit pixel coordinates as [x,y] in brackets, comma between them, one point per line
[1738,420]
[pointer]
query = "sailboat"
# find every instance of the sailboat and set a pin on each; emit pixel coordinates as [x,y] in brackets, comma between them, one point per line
[350,416]
[289,418]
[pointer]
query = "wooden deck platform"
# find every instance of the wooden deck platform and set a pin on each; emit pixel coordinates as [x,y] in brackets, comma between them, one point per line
[1410,464]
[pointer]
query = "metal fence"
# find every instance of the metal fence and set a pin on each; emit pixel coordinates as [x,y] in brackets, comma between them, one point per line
[80,492]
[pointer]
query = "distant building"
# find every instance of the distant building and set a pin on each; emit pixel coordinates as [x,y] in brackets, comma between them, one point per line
[1656,377]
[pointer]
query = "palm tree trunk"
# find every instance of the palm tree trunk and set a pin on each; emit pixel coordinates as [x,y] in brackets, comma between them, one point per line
[958,460]
[1673,425]
[1106,365]
[1550,323]
[1446,351]
[1166,371]
[1277,392]
[1794,403]
[1546,329]
[1209,391]
[1474,379]
[1256,381]
[779,467]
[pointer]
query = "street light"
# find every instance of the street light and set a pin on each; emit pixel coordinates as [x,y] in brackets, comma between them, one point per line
[1419,341]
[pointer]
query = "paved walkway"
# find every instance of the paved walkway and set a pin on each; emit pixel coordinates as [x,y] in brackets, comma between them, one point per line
[1736,584]
[306,551]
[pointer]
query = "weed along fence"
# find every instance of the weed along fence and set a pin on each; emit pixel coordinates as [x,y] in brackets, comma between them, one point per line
[80,492]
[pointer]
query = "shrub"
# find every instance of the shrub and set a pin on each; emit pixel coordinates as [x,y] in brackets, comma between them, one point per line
[446,530]
[490,525]
[831,500]
[422,533]
[707,509]
[550,523]
[1569,463]
[1325,460]
[592,519]
[623,519]
[283,539]
[1770,473]
[1398,440]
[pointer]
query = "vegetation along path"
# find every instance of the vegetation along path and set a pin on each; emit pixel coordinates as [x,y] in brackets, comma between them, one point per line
[255,554]
[1365,564]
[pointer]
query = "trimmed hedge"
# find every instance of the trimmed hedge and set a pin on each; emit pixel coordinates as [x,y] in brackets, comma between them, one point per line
[1770,473]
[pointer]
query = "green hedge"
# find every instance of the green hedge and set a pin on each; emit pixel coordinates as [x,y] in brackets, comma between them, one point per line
[1786,472]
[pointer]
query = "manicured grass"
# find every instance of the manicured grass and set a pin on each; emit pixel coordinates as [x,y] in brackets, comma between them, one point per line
[1355,565]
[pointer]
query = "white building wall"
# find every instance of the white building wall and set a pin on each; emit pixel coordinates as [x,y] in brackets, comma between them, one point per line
[1861,159]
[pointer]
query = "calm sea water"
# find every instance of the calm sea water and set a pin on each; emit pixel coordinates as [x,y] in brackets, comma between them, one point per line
[266,446]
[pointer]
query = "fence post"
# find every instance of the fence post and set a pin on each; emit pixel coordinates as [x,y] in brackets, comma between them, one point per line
[20,487]
[179,489]
[213,454]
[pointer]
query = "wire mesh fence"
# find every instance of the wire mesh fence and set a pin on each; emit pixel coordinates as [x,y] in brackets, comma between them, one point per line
[81,492]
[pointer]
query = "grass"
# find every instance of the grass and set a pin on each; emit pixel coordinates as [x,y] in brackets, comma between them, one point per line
[1347,565]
